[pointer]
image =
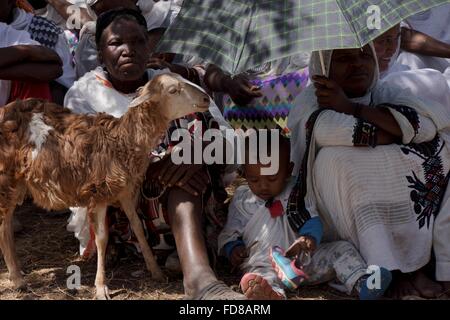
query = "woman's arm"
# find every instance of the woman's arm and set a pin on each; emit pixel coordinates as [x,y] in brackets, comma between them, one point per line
[241,91]
[27,63]
[27,53]
[31,71]
[421,43]
[330,95]
[334,128]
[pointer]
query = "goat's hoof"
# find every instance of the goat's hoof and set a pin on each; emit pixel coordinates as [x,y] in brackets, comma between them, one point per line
[19,284]
[102,293]
[160,277]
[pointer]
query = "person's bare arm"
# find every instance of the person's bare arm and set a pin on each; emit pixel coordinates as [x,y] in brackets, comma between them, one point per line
[27,53]
[330,95]
[239,88]
[421,43]
[31,71]
[25,62]
[62,7]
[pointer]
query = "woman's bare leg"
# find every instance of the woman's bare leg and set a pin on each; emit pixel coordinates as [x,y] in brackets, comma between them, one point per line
[185,214]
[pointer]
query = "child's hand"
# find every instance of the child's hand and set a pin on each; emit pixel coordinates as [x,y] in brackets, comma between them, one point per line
[304,243]
[238,255]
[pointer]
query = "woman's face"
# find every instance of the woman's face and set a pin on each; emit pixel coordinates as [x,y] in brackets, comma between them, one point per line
[353,70]
[386,46]
[124,50]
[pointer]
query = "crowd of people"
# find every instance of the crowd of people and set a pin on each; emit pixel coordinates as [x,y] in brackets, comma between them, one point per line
[364,152]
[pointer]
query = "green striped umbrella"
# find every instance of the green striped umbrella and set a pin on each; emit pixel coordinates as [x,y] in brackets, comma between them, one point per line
[240,34]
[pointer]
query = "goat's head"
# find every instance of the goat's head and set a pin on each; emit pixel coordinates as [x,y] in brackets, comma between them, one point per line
[176,96]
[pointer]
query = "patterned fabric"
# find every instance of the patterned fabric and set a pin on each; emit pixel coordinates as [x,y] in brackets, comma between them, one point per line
[238,35]
[272,109]
[409,114]
[364,134]
[44,31]
[296,211]
[427,196]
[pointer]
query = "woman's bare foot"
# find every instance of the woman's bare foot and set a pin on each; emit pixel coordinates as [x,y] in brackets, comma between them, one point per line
[401,286]
[427,288]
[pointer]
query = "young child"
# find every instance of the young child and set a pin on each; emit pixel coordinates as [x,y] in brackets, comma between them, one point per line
[257,222]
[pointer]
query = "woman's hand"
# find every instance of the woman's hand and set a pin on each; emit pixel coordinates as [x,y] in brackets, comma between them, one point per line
[330,95]
[239,88]
[241,91]
[304,243]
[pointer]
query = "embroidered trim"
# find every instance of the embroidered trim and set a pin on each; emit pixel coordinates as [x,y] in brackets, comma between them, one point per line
[409,114]
[427,196]
[364,134]
[296,211]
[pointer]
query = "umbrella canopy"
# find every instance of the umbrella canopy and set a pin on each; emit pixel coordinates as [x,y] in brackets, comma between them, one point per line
[240,34]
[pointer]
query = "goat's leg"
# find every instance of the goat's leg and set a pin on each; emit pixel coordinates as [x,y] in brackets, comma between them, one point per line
[7,246]
[136,225]
[97,216]
[11,193]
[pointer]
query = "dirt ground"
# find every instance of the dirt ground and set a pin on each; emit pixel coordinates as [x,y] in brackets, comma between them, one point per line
[46,249]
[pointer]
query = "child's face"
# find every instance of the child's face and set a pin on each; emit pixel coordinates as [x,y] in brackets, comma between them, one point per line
[267,187]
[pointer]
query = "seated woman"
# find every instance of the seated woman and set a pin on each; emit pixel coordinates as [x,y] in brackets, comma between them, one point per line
[25,67]
[374,162]
[123,51]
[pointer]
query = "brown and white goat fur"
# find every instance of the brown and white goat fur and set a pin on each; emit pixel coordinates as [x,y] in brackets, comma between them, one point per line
[68,160]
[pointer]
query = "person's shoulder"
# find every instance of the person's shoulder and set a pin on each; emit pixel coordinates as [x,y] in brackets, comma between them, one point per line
[85,83]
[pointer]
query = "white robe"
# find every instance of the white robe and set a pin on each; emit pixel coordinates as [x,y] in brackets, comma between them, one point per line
[363,193]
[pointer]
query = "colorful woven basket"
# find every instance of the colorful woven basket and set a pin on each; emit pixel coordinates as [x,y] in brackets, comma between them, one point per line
[272,109]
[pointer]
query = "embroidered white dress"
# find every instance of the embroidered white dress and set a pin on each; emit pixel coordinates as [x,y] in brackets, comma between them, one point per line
[390,201]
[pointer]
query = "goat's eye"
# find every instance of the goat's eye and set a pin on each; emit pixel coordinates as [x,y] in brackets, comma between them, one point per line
[173,90]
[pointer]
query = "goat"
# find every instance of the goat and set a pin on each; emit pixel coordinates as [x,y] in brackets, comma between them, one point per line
[67,160]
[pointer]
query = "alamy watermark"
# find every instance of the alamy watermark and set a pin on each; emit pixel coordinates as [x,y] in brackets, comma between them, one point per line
[73,282]
[374,17]
[228,146]
[74,19]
